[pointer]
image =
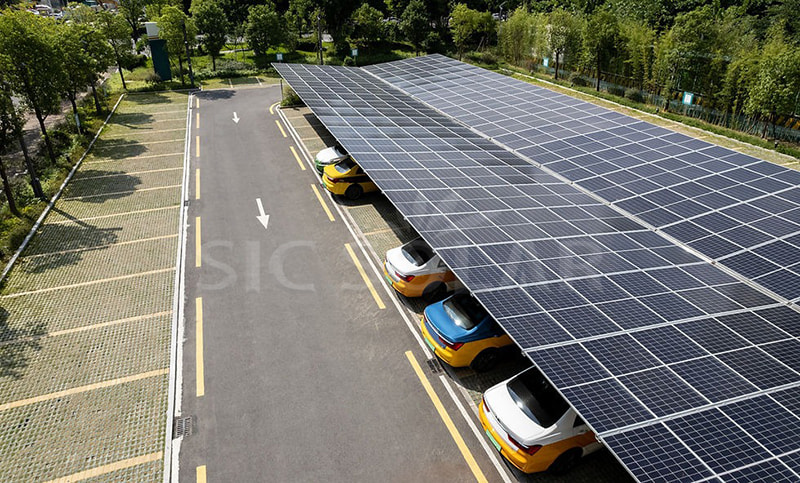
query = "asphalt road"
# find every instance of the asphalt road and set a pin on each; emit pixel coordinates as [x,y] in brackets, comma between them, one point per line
[305,377]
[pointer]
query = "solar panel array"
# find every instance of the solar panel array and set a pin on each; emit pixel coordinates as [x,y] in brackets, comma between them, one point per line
[735,209]
[684,371]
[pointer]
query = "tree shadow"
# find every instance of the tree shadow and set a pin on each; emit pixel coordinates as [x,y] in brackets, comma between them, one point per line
[118,148]
[99,186]
[133,120]
[144,98]
[15,344]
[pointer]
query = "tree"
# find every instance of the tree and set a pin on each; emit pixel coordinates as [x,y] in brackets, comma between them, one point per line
[600,38]
[367,26]
[563,38]
[116,32]
[515,36]
[777,84]
[470,28]
[86,55]
[210,19]
[179,32]
[415,24]
[264,28]
[132,11]
[299,19]
[12,121]
[637,39]
[32,66]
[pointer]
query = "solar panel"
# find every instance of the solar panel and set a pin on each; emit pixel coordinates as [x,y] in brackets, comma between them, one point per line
[678,184]
[632,318]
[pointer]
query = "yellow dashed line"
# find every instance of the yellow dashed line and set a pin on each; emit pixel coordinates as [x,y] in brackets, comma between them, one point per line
[84,284]
[364,276]
[197,120]
[296,156]
[200,378]
[197,102]
[197,184]
[280,127]
[465,452]
[272,107]
[322,202]
[201,474]
[197,147]
[198,259]
[85,249]
[80,389]
[105,469]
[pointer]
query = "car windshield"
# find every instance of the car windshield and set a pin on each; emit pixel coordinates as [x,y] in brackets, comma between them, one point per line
[345,165]
[464,311]
[537,398]
[417,252]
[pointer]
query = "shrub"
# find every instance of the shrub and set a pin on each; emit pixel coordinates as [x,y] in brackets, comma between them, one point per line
[616,90]
[348,61]
[634,94]
[290,98]
[576,79]
[152,78]
[433,43]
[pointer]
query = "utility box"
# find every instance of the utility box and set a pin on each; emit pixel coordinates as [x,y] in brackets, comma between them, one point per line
[158,52]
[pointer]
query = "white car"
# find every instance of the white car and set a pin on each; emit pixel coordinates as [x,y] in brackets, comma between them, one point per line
[415,270]
[532,426]
[327,156]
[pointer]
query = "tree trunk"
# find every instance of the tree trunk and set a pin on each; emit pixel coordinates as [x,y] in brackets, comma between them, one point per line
[213,63]
[12,206]
[597,85]
[556,77]
[180,67]
[47,143]
[122,77]
[72,97]
[35,184]
[96,99]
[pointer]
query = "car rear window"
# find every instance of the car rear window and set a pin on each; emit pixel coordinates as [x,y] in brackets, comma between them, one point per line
[464,310]
[537,398]
[417,252]
[345,165]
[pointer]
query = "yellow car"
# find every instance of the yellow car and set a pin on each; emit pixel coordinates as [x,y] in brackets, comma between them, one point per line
[415,270]
[348,179]
[533,427]
[462,334]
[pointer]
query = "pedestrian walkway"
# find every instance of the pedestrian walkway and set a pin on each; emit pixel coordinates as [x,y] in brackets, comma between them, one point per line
[85,315]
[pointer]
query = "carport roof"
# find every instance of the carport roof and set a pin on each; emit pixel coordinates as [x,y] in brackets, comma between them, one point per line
[679,366]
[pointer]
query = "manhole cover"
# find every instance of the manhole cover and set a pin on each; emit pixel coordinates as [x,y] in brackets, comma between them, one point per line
[183,427]
[433,365]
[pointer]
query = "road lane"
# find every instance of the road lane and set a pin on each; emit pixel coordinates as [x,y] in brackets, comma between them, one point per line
[305,376]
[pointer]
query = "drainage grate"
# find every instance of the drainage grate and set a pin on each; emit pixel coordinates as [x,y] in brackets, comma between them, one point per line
[183,427]
[434,366]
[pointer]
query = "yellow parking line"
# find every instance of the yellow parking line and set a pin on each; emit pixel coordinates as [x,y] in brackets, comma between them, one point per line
[322,202]
[80,389]
[84,284]
[114,193]
[230,83]
[197,147]
[198,257]
[197,184]
[201,474]
[197,120]
[196,103]
[124,213]
[462,446]
[272,107]
[364,277]
[296,156]
[99,247]
[280,127]
[201,375]
[111,467]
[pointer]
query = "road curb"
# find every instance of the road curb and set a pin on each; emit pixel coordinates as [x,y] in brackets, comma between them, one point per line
[55,198]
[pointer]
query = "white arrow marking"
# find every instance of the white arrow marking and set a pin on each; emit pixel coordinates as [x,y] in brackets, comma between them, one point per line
[235,118]
[262,217]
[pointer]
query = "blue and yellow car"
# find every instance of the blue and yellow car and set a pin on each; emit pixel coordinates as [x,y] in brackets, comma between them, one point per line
[462,334]
[346,178]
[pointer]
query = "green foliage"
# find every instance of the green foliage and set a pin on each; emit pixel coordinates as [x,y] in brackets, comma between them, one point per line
[155,8]
[85,54]
[516,36]
[210,20]
[415,24]
[264,28]
[600,40]
[564,37]
[576,79]
[471,28]
[290,98]
[367,26]
[634,95]
[132,11]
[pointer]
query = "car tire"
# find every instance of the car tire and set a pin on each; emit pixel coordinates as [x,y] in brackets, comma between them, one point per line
[434,292]
[565,462]
[486,360]
[354,192]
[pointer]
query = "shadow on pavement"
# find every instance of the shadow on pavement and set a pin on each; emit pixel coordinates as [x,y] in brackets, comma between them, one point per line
[132,120]
[15,343]
[72,237]
[118,148]
[149,98]
[99,190]
[216,94]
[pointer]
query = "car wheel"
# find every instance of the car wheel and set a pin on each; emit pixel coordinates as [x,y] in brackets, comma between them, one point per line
[565,462]
[434,292]
[485,361]
[354,192]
